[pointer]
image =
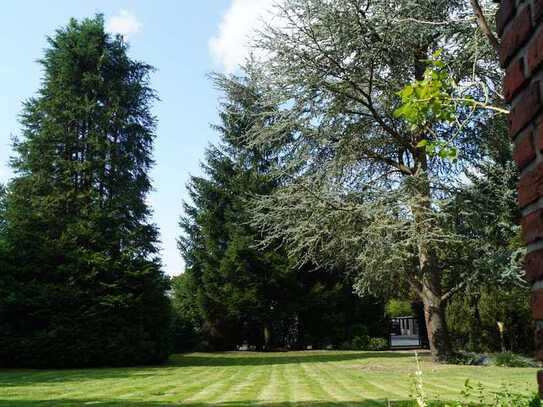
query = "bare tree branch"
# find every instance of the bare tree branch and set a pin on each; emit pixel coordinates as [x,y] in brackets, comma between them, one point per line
[483,25]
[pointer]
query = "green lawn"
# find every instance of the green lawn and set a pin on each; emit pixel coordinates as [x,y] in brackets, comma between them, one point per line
[310,379]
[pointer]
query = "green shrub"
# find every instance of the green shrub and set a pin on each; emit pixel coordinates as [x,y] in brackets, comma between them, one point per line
[378,344]
[470,359]
[510,359]
[472,319]
[360,342]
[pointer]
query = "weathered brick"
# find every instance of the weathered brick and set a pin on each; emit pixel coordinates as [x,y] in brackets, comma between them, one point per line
[537,10]
[536,302]
[527,108]
[514,79]
[532,227]
[533,265]
[538,137]
[504,14]
[516,35]
[534,54]
[530,187]
[524,152]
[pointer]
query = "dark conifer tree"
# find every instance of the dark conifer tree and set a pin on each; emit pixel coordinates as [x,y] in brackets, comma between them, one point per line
[85,286]
[239,286]
[241,291]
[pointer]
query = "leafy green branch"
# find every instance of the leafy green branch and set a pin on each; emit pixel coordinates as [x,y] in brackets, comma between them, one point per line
[438,98]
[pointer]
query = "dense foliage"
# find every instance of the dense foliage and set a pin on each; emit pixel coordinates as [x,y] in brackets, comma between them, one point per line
[369,187]
[84,286]
[235,291]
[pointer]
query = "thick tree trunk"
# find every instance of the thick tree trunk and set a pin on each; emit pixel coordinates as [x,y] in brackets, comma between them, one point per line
[428,278]
[436,325]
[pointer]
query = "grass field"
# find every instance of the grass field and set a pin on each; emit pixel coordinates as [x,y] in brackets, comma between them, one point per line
[306,379]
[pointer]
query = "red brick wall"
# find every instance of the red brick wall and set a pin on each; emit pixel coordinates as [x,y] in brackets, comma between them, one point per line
[519,24]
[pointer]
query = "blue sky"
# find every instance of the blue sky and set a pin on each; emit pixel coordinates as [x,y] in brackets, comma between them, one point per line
[183,39]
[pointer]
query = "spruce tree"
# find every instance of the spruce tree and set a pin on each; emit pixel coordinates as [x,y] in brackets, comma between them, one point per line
[239,286]
[236,290]
[85,286]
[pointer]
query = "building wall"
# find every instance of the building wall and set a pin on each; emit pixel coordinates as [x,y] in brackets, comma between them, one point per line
[519,24]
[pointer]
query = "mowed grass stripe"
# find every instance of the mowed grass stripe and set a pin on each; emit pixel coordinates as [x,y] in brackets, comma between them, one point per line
[243,379]
[245,388]
[318,393]
[307,388]
[301,388]
[269,391]
[215,378]
[372,388]
[214,391]
[334,385]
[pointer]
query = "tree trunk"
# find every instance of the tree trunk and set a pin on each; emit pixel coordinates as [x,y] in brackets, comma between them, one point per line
[267,337]
[436,325]
[428,278]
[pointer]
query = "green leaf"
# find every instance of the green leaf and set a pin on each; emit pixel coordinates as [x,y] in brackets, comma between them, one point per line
[422,143]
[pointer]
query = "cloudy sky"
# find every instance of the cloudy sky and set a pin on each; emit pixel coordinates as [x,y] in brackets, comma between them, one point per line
[185,40]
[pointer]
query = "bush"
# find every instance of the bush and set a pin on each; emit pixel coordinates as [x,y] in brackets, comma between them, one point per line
[364,342]
[472,319]
[510,359]
[360,342]
[470,359]
[378,344]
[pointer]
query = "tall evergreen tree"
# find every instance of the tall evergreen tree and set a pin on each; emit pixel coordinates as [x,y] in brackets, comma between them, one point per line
[240,287]
[85,285]
[241,290]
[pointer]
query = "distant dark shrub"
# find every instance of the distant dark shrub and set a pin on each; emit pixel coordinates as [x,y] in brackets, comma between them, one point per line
[470,359]
[361,342]
[377,344]
[510,359]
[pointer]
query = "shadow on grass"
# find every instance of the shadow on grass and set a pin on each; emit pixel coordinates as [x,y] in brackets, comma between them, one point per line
[29,377]
[21,378]
[258,359]
[244,403]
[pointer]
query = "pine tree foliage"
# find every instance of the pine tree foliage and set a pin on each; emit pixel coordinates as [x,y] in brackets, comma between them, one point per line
[85,286]
[243,291]
[233,279]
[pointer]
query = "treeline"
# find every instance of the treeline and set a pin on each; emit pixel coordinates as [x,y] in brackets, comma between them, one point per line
[364,157]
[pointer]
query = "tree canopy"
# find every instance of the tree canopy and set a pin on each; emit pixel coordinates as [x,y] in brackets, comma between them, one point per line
[363,190]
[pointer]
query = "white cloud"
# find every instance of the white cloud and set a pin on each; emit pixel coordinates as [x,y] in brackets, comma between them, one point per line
[124,23]
[230,46]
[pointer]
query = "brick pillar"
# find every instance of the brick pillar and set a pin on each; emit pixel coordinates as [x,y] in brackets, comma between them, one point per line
[519,24]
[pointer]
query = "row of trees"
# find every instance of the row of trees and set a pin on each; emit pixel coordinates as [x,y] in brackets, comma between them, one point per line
[364,149]
[378,136]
